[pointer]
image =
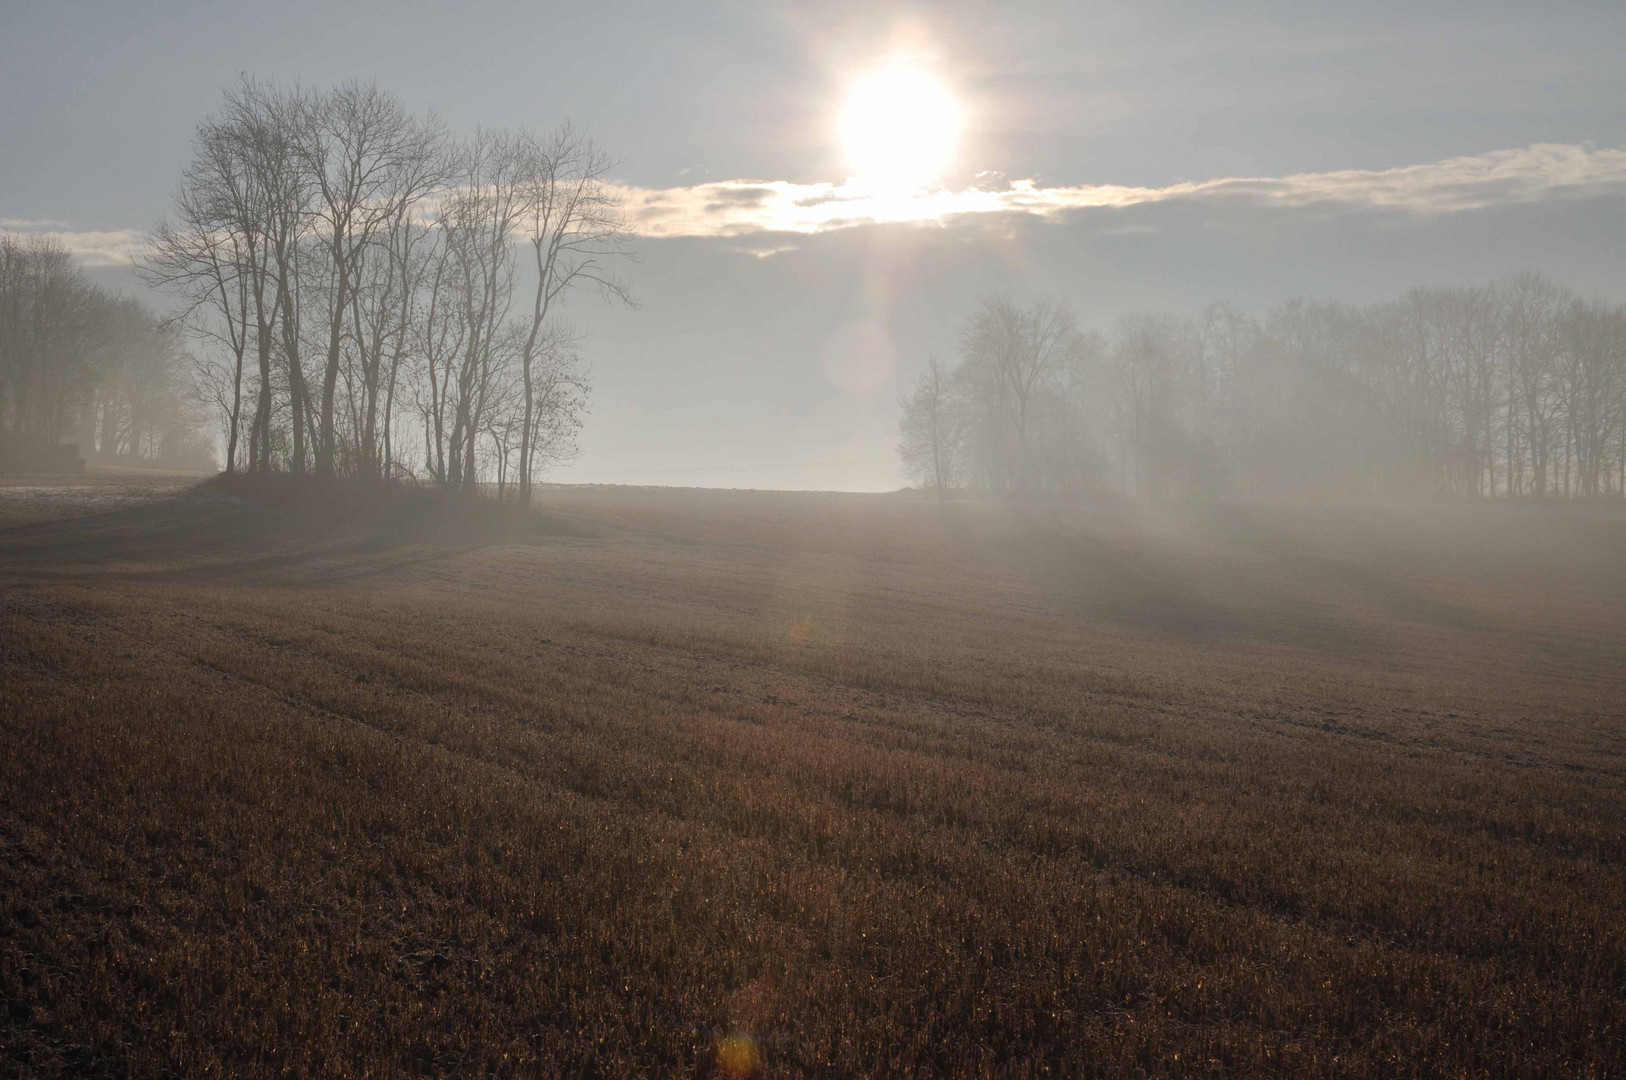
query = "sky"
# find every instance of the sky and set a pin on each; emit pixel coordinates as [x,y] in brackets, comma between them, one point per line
[1117,157]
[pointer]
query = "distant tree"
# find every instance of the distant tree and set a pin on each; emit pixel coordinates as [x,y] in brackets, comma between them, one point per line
[1530,305]
[1160,400]
[1516,389]
[1009,352]
[930,430]
[1588,373]
[54,334]
[145,406]
[78,363]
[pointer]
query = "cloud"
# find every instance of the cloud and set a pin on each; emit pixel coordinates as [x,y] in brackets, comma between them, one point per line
[764,215]
[115,247]
[736,208]
[766,252]
[24,225]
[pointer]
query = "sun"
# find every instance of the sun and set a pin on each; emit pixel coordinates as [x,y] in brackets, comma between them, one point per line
[900,127]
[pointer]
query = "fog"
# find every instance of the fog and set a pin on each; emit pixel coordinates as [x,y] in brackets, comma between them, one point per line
[805,540]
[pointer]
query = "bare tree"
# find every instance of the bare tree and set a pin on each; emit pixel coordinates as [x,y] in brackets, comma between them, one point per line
[1513,389]
[930,429]
[208,260]
[365,156]
[252,154]
[75,361]
[554,404]
[478,219]
[1015,351]
[52,331]
[572,219]
[1530,304]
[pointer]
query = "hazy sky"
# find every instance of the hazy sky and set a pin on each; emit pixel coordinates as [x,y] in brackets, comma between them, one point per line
[1179,153]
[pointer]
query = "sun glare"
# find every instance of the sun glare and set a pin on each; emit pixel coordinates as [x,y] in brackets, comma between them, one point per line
[899,127]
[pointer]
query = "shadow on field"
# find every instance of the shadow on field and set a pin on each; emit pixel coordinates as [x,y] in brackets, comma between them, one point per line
[1388,586]
[271,530]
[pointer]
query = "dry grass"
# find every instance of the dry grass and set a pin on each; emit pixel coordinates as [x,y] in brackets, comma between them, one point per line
[710,783]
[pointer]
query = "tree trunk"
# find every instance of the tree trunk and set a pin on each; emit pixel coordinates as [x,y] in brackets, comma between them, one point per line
[330,376]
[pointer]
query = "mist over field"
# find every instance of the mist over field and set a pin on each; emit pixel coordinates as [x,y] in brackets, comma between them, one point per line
[868,540]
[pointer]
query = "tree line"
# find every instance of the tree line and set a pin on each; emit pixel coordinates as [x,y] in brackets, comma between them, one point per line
[81,365]
[374,297]
[1511,389]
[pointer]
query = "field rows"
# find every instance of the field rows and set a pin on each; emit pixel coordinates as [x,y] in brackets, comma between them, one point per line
[636,798]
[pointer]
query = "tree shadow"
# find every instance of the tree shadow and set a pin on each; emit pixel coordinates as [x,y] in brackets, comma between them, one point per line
[208,537]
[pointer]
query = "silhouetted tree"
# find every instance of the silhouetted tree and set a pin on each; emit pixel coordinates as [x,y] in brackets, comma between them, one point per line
[336,229]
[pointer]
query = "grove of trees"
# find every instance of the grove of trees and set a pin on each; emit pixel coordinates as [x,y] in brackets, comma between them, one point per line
[374,297]
[1511,389]
[80,365]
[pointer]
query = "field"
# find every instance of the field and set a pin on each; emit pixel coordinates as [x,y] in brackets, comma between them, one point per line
[712,783]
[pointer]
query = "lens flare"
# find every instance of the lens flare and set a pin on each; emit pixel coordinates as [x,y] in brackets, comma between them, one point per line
[737,1055]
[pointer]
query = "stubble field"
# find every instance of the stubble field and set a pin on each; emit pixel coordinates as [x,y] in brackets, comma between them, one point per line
[710,783]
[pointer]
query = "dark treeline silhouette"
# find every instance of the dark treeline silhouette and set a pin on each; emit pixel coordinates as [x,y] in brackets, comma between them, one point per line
[374,297]
[1513,389]
[81,367]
